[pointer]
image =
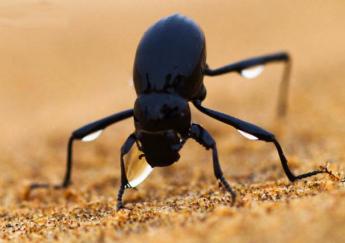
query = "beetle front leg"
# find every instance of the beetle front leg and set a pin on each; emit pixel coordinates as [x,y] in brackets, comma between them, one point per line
[126,147]
[86,133]
[199,134]
[254,132]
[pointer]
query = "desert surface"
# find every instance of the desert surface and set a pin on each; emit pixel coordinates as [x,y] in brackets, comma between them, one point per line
[66,63]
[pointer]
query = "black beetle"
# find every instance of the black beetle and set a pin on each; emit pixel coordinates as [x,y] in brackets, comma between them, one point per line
[169,68]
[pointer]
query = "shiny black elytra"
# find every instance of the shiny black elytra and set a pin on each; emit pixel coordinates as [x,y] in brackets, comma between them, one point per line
[169,68]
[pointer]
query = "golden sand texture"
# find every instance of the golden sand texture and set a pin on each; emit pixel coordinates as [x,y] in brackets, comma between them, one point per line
[64,64]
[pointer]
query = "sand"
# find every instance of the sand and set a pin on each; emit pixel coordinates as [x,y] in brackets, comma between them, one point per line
[65,64]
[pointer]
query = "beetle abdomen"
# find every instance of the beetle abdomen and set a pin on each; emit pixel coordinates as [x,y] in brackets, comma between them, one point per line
[170,56]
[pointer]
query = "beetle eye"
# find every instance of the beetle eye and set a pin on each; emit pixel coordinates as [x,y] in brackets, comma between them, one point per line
[92,136]
[136,167]
[252,72]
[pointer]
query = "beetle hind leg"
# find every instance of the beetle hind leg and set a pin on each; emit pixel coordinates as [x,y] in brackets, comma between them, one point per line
[252,67]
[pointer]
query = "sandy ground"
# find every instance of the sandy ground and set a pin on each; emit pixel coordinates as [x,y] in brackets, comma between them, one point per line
[64,64]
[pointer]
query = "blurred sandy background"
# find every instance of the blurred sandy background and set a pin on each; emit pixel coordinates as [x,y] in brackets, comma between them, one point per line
[66,63]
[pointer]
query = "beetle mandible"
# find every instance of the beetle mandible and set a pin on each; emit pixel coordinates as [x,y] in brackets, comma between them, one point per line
[169,67]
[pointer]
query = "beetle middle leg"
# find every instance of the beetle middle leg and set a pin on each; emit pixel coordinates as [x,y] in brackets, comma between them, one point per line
[199,134]
[86,133]
[241,66]
[254,132]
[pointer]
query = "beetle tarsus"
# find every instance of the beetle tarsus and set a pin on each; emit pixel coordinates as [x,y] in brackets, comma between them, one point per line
[119,197]
[225,184]
[219,174]
[34,186]
[67,179]
[291,176]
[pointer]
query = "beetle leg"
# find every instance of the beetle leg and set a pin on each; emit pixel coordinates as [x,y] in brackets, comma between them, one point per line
[85,133]
[200,135]
[126,147]
[254,132]
[243,66]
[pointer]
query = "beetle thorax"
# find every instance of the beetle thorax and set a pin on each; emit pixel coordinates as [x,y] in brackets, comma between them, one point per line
[157,112]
